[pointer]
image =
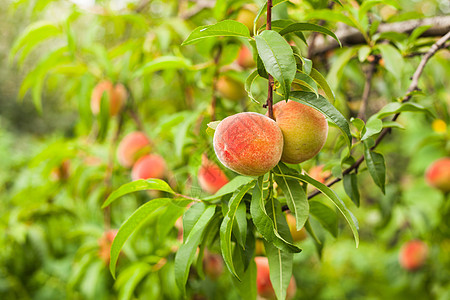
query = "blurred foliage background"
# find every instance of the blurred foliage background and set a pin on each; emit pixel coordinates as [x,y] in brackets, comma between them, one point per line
[58,164]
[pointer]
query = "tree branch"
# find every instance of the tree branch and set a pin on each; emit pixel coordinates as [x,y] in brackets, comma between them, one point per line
[269,102]
[412,87]
[367,89]
[351,36]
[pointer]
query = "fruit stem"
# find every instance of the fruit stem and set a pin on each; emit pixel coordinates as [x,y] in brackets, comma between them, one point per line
[269,102]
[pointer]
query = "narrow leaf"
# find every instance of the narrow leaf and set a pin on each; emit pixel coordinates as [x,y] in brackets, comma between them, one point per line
[309,27]
[326,216]
[224,28]
[230,187]
[375,164]
[323,84]
[351,187]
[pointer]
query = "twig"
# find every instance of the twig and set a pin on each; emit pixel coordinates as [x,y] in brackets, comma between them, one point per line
[367,89]
[269,102]
[440,25]
[412,87]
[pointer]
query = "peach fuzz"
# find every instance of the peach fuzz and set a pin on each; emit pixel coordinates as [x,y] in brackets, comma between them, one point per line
[297,235]
[263,283]
[132,146]
[248,143]
[210,177]
[413,255]
[116,96]
[245,58]
[438,174]
[149,166]
[230,88]
[304,130]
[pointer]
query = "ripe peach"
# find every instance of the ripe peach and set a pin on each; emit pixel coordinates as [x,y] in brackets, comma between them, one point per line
[248,143]
[304,130]
[116,96]
[245,58]
[105,242]
[213,265]
[263,283]
[149,166]
[438,174]
[299,235]
[318,173]
[230,88]
[413,254]
[210,177]
[132,146]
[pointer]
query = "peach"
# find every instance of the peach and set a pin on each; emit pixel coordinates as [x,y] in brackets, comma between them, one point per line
[105,242]
[213,265]
[438,174]
[248,143]
[149,166]
[245,58]
[413,254]
[297,235]
[132,146]
[304,130]
[210,177]
[263,283]
[116,96]
[230,88]
[319,174]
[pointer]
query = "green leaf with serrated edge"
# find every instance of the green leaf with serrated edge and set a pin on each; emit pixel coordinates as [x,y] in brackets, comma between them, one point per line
[230,187]
[240,224]
[248,85]
[138,185]
[351,187]
[185,254]
[139,217]
[227,226]
[223,28]
[278,58]
[326,108]
[396,107]
[326,216]
[321,81]
[330,194]
[305,80]
[295,196]
[309,27]
[375,164]
[280,262]
[162,63]
[264,223]
[191,216]
[393,60]
[263,9]
[246,287]
[373,126]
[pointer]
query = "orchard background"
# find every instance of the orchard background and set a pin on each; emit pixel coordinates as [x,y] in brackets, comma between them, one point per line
[77,77]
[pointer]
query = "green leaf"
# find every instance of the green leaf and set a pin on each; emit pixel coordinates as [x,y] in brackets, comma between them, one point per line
[240,224]
[326,108]
[130,278]
[264,223]
[227,226]
[248,84]
[363,53]
[333,16]
[246,287]
[321,81]
[230,187]
[191,216]
[295,196]
[263,9]
[330,194]
[373,126]
[335,74]
[278,58]
[137,219]
[162,63]
[185,254]
[375,164]
[417,33]
[306,65]
[307,82]
[326,216]
[280,262]
[309,27]
[351,187]
[224,28]
[393,60]
[397,107]
[279,25]
[138,185]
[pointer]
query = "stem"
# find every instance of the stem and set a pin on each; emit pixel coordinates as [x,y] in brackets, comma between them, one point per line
[269,102]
